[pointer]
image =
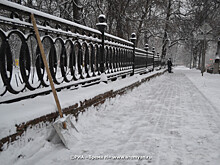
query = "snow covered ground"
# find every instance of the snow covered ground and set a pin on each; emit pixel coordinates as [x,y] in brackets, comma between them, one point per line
[26,110]
[172,119]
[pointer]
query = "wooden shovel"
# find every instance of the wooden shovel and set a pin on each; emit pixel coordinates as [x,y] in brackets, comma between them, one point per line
[47,69]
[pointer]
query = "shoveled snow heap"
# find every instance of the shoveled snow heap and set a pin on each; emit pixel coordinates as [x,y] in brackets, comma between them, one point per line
[26,110]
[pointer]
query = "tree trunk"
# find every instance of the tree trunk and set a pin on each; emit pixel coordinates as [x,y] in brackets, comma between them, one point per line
[142,21]
[200,53]
[76,9]
[165,37]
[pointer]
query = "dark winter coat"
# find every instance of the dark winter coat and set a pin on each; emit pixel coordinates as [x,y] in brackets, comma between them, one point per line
[169,63]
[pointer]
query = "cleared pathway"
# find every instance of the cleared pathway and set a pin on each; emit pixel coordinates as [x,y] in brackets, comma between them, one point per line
[166,121]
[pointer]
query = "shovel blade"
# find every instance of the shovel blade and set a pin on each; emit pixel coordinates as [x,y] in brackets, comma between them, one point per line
[69,136]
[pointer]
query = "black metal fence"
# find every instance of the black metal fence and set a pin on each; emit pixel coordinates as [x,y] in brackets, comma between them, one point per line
[75,53]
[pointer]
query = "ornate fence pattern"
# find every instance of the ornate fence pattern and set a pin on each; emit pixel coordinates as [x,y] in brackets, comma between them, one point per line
[75,53]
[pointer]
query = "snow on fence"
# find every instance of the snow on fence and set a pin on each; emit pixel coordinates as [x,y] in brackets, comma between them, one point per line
[75,53]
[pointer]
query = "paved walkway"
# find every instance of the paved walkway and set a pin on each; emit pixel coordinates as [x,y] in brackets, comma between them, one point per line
[167,119]
[186,125]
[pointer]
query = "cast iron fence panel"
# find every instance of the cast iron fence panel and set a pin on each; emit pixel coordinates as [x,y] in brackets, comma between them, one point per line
[73,51]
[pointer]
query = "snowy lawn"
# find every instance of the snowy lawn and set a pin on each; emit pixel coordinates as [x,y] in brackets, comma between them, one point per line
[172,119]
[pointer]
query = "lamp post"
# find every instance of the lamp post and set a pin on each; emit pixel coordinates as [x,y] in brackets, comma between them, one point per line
[101,27]
[146,48]
[133,39]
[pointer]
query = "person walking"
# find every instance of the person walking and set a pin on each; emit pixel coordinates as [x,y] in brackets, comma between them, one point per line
[169,65]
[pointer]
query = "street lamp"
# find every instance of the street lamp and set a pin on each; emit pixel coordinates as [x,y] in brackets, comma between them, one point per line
[146,48]
[133,39]
[153,51]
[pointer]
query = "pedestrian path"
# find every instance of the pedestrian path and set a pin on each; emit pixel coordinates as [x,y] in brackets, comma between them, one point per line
[166,121]
[176,124]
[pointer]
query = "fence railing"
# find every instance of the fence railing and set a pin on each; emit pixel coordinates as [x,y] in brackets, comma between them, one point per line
[75,53]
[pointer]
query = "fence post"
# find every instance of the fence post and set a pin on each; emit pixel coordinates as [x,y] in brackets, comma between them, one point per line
[146,48]
[159,60]
[153,50]
[101,27]
[133,39]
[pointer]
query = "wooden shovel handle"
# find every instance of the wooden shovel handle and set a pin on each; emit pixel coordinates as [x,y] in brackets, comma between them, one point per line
[47,68]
